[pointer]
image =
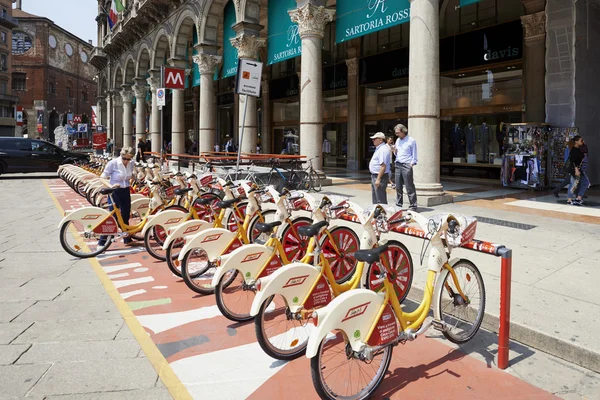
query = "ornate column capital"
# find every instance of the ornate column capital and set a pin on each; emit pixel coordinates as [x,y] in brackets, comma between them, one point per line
[312,19]
[247,45]
[126,94]
[535,26]
[154,83]
[140,91]
[352,66]
[207,63]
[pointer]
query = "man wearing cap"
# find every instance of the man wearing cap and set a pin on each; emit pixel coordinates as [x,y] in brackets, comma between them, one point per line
[406,159]
[380,169]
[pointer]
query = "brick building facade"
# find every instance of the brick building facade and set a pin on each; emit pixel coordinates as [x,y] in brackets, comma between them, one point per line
[51,74]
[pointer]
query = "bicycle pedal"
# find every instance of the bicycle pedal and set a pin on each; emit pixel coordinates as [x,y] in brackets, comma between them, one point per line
[438,325]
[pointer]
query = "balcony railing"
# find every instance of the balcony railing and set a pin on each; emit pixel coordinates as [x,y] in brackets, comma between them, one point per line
[8,21]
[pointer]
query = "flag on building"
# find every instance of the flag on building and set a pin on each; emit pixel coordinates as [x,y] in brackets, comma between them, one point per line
[113,16]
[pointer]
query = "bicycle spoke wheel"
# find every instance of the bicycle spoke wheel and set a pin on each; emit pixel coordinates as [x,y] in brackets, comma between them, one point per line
[197,272]
[268,216]
[172,254]
[279,334]
[341,261]
[462,317]
[79,241]
[205,211]
[234,298]
[337,374]
[294,245]
[315,181]
[400,273]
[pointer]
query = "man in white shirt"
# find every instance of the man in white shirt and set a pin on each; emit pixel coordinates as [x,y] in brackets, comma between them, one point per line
[406,159]
[380,169]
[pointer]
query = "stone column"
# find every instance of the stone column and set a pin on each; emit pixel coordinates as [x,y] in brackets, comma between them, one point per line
[154,82]
[312,21]
[534,67]
[178,114]
[247,47]
[127,97]
[266,136]
[424,100]
[207,124]
[353,155]
[109,114]
[141,90]
[118,119]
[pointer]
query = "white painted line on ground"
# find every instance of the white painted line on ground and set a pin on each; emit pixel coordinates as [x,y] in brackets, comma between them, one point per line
[163,322]
[121,267]
[159,287]
[129,282]
[233,373]
[131,294]
[117,276]
[140,270]
[116,253]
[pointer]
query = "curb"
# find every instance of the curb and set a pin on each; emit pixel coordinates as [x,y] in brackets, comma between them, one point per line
[533,338]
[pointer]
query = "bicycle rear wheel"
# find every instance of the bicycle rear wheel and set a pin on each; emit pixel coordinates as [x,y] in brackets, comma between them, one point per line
[315,181]
[197,271]
[340,252]
[337,374]
[462,318]
[234,298]
[400,273]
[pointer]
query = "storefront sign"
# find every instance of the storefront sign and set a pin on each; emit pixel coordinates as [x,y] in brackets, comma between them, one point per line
[384,67]
[357,18]
[284,87]
[335,77]
[284,37]
[230,53]
[19,115]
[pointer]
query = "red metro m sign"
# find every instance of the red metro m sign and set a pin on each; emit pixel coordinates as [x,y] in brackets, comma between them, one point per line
[174,78]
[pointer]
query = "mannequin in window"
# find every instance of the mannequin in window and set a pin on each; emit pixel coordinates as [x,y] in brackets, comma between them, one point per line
[485,138]
[326,146]
[469,133]
[456,137]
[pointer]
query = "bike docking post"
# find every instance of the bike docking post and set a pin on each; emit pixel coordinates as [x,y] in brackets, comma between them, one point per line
[505,280]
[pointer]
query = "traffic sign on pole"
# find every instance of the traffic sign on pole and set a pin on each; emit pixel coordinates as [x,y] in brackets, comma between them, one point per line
[160,97]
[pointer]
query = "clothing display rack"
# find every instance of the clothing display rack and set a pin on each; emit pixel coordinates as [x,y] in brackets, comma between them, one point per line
[525,160]
[559,139]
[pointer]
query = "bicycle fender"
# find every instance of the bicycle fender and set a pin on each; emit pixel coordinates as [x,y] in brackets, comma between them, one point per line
[136,196]
[186,229]
[141,206]
[89,217]
[249,260]
[292,281]
[214,241]
[353,312]
[167,219]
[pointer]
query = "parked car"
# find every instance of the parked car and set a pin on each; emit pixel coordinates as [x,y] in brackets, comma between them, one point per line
[23,155]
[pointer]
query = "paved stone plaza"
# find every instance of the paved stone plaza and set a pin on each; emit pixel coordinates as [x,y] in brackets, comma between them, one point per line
[101,329]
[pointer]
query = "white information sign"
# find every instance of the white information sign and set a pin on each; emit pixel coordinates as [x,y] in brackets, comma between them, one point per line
[161,100]
[249,77]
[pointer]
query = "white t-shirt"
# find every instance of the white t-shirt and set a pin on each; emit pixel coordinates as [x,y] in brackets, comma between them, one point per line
[118,173]
[382,155]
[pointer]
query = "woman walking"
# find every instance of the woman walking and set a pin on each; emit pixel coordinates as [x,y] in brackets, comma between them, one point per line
[119,172]
[579,181]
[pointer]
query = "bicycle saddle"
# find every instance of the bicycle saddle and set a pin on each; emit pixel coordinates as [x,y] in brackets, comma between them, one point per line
[311,230]
[179,192]
[227,203]
[204,201]
[370,255]
[267,228]
[107,190]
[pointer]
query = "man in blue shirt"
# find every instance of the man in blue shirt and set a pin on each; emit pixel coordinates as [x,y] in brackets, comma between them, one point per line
[379,167]
[406,158]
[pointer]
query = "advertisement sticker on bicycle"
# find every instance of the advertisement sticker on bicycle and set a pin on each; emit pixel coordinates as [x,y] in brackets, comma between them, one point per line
[356,311]
[320,296]
[206,180]
[386,329]
[107,227]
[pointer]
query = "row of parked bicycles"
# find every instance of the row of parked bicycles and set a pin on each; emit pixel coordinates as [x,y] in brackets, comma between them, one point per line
[276,258]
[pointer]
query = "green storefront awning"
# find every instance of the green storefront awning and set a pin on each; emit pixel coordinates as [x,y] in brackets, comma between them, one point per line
[230,53]
[356,18]
[467,2]
[284,37]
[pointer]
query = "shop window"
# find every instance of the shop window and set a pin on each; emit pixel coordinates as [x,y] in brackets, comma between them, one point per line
[333,53]
[335,107]
[285,68]
[388,39]
[455,19]
[286,111]
[382,100]
[19,81]
[482,88]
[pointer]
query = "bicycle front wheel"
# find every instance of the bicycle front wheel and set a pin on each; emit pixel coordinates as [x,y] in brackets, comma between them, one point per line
[81,242]
[463,316]
[197,271]
[234,298]
[340,252]
[337,374]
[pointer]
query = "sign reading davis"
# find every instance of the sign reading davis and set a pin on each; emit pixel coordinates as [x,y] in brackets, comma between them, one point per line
[284,37]
[230,53]
[357,18]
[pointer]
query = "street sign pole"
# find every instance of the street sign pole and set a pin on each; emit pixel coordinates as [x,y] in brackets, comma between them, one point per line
[241,139]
